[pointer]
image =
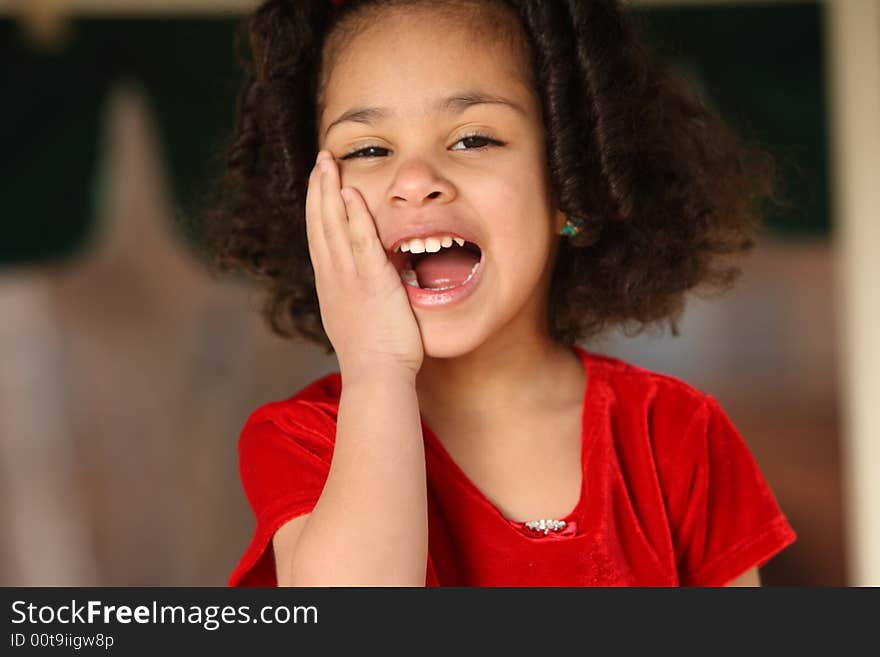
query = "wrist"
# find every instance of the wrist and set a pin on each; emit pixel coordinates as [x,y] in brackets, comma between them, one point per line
[378,374]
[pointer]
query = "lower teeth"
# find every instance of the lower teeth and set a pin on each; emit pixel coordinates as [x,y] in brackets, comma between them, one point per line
[409,277]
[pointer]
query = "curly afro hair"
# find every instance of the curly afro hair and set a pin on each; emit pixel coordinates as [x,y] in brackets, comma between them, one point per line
[666,188]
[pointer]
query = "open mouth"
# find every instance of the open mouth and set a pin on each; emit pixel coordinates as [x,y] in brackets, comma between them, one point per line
[448,268]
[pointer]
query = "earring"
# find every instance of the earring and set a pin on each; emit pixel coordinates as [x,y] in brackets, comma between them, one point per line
[572,227]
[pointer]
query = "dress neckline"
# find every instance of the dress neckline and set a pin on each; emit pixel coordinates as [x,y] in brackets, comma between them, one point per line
[589,422]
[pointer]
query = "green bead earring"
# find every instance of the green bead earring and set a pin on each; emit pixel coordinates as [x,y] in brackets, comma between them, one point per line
[572,227]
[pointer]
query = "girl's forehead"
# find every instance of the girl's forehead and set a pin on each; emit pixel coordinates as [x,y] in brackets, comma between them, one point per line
[413,62]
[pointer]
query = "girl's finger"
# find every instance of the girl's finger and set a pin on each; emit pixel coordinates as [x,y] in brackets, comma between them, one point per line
[367,250]
[314,229]
[334,220]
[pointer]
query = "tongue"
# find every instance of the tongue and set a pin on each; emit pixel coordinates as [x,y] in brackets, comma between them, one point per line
[446,268]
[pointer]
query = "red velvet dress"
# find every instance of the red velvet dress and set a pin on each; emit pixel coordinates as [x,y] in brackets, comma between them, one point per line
[671,495]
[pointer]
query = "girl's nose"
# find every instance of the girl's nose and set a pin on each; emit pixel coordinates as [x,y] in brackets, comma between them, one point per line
[418,182]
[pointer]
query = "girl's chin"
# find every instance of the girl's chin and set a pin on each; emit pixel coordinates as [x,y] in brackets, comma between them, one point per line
[448,342]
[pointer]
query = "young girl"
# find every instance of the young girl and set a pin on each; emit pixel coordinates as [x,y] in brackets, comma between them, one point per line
[495,181]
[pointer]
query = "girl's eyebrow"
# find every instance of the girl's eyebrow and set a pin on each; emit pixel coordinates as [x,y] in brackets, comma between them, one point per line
[455,104]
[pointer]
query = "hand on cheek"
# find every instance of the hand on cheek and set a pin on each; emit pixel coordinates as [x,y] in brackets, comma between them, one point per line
[364,307]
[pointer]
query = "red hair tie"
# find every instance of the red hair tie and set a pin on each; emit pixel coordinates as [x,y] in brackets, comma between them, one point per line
[336,3]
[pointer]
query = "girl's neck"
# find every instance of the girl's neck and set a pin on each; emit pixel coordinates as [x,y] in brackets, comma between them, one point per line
[500,379]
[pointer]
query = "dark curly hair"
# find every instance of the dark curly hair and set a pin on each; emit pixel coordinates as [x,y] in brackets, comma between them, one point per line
[666,188]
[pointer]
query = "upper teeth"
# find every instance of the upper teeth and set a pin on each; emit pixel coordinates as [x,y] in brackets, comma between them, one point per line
[430,244]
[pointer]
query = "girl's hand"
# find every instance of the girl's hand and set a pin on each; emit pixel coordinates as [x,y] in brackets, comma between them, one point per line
[364,307]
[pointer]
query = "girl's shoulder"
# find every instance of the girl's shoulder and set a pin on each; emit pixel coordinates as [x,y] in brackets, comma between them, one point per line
[679,424]
[312,409]
[628,385]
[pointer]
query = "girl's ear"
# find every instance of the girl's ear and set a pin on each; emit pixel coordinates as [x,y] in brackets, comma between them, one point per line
[559,220]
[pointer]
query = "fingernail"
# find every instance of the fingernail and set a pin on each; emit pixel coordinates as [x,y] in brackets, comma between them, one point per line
[347,194]
[320,157]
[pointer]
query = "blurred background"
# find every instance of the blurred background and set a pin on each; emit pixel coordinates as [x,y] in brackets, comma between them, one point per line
[127,370]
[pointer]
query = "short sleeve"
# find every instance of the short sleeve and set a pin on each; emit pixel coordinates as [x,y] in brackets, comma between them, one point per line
[283,464]
[724,517]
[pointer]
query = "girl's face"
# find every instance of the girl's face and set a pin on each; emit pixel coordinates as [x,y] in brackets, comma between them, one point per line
[420,166]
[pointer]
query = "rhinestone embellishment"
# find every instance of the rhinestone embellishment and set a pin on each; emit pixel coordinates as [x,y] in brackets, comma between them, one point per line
[545,525]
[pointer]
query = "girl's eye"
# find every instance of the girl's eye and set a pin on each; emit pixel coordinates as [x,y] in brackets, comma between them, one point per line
[479,138]
[467,138]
